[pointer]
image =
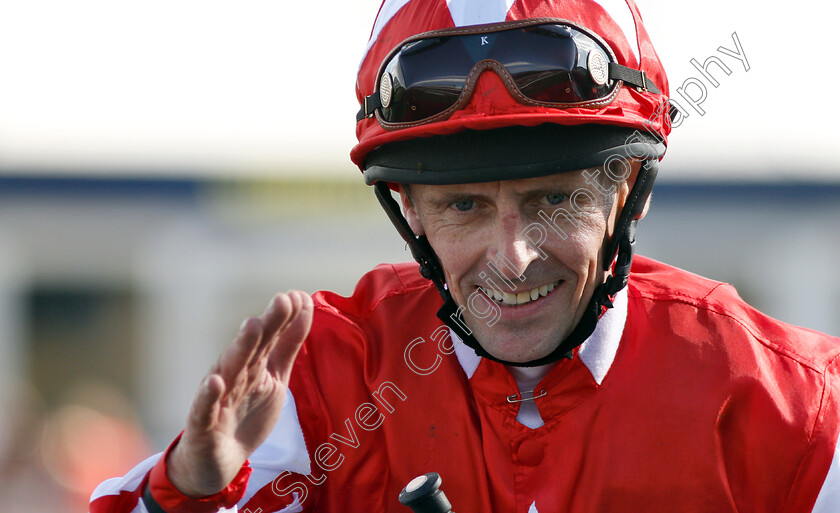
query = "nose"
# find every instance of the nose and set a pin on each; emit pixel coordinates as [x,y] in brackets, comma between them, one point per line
[509,251]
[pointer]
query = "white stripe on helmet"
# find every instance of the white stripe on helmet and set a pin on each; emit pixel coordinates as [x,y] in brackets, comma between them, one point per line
[386,12]
[476,12]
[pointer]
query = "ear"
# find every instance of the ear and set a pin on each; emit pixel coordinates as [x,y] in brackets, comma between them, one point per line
[410,212]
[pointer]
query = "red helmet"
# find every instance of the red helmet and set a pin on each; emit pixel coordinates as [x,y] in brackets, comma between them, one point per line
[615,25]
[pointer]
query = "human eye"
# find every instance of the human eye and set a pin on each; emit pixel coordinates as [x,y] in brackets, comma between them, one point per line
[555,198]
[463,205]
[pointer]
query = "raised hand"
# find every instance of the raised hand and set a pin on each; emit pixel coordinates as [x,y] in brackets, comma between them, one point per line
[240,399]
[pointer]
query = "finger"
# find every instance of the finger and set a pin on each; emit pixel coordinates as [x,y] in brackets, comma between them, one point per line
[291,338]
[280,309]
[234,360]
[204,411]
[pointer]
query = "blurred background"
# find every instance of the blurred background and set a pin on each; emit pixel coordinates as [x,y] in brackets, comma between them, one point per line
[166,167]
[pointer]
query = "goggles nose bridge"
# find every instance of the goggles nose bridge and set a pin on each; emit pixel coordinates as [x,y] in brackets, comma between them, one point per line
[482,93]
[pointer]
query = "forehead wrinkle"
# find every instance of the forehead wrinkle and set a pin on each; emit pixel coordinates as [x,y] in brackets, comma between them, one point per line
[492,192]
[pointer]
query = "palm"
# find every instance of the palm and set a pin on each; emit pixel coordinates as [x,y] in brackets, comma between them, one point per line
[240,400]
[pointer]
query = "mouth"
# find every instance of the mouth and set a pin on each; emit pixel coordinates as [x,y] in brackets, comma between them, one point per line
[519,298]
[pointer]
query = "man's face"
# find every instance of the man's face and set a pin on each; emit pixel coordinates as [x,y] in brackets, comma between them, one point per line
[491,250]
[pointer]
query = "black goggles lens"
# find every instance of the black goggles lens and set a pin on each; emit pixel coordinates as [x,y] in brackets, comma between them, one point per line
[548,63]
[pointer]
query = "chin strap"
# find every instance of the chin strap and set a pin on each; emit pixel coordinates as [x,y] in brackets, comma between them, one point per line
[618,258]
[421,250]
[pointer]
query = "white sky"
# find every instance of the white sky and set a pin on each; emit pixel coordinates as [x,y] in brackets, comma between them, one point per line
[261,88]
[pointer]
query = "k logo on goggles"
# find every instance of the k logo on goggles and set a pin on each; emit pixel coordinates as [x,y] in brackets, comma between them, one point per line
[546,62]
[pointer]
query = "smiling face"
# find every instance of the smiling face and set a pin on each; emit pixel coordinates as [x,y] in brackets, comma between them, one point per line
[489,239]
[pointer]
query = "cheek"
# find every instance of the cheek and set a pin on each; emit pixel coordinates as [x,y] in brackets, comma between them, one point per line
[457,249]
[580,250]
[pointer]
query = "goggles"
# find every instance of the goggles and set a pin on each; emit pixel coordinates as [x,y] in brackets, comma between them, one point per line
[543,62]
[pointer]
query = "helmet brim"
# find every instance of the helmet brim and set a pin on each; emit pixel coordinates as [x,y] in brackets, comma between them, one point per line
[506,153]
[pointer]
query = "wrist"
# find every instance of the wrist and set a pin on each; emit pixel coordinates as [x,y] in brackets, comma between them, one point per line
[178,474]
[162,492]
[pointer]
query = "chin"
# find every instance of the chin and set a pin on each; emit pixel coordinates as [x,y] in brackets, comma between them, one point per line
[515,346]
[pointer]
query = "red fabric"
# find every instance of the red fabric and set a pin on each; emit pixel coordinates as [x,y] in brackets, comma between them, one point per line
[430,13]
[708,406]
[170,499]
[631,108]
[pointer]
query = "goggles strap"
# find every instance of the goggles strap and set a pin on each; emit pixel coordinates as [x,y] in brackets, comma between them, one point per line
[632,76]
[369,105]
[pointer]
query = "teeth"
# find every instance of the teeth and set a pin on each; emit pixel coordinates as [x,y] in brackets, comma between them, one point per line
[520,298]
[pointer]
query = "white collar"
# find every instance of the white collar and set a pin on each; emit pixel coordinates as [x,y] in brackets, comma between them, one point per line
[597,352]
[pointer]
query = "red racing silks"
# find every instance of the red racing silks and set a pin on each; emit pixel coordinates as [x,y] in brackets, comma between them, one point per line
[708,405]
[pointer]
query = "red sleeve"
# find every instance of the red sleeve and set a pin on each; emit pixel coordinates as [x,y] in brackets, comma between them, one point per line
[169,498]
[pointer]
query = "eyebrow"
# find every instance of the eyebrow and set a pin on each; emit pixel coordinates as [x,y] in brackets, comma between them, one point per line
[542,191]
[447,198]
